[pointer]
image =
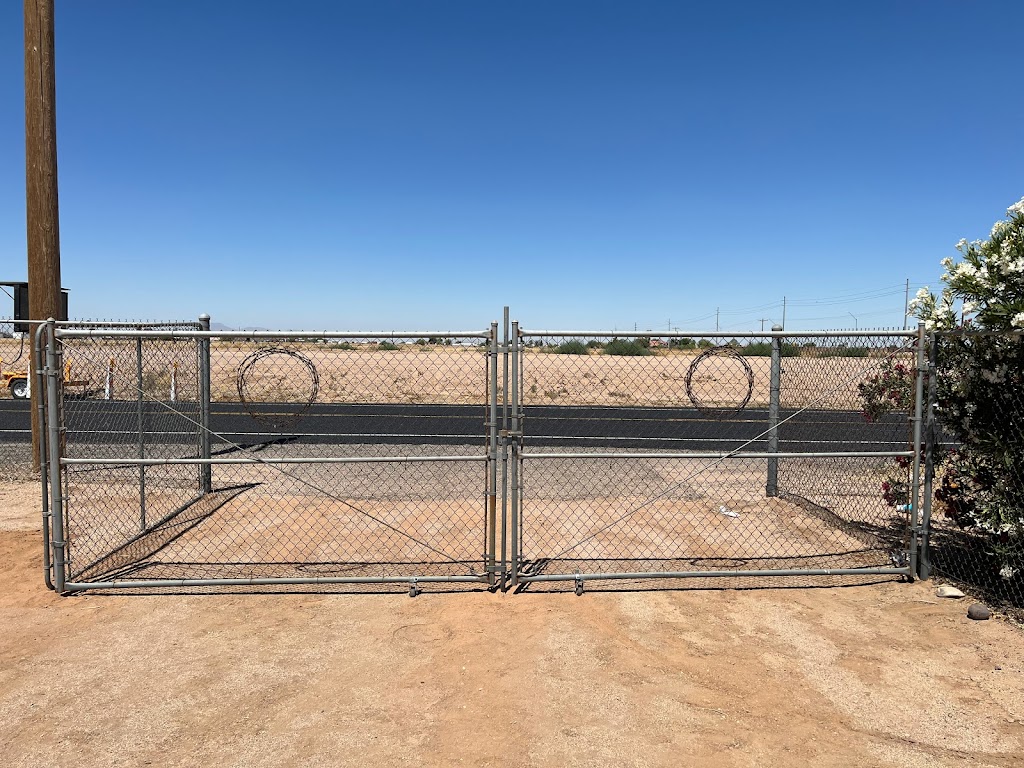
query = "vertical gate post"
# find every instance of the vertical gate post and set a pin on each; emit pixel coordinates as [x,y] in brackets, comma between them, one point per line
[492,457]
[771,487]
[504,454]
[38,373]
[924,563]
[53,421]
[516,349]
[205,470]
[141,427]
[915,481]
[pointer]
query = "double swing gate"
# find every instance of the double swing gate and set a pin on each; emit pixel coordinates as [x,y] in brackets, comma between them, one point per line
[179,456]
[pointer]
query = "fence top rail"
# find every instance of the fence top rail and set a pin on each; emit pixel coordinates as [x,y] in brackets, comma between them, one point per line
[113,324]
[724,334]
[81,333]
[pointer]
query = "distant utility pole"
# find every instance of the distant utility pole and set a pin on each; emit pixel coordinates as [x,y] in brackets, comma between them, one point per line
[41,176]
[763,321]
[783,313]
[906,305]
[716,318]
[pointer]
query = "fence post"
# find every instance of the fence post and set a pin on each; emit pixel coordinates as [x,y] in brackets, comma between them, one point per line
[38,371]
[492,458]
[504,453]
[915,481]
[516,458]
[53,420]
[141,427]
[771,487]
[924,563]
[205,470]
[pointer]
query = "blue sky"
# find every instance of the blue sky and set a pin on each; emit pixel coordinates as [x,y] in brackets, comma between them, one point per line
[365,165]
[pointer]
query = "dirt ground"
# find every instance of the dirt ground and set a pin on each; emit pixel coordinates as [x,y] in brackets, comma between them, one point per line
[880,675]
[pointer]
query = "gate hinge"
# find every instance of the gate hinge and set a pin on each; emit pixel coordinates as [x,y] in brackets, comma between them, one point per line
[511,433]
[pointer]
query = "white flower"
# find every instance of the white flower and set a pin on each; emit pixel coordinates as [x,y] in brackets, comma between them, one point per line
[961,246]
[1018,320]
[998,228]
[969,307]
[948,262]
[1017,209]
[966,269]
[1007,572]
[923,293]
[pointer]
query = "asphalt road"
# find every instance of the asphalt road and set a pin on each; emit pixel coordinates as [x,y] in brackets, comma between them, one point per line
[98,421]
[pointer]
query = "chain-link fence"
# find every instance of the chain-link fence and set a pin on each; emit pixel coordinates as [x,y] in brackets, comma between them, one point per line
[974,479]
[712,455]
[179,455]
[200,458]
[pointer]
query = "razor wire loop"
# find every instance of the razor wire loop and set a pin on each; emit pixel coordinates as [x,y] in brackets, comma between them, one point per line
[725,351]
[276,419]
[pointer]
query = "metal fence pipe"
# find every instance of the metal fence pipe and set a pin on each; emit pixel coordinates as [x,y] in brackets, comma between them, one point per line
[771,487]
[74,586]
[154,462]
[85,333]
[915,482]
[206,473]
[141,434]
[720,334]
[780,455]
[515,439]
[718,574]
[39,374]
[54,373]
[504,450]
[924,565]
[492,457]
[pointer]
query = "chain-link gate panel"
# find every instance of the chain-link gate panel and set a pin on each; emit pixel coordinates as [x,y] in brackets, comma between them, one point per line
[197,458]
[709,455]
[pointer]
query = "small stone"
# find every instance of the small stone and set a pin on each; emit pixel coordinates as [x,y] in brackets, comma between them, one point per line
[947,591]
[978,612]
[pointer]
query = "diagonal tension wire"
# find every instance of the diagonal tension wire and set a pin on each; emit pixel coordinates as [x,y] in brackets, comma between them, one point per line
[646,503]
[303,481]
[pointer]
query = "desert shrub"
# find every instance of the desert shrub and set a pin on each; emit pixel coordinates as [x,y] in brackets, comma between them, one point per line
[980,386]
[625,347]
[705,344]
[842,350]
[571,348]
[764,349]
[387,346]
[594,344]
[342,345]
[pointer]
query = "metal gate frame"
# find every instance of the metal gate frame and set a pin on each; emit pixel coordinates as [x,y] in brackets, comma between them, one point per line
[48,371]
[517,450]
[502,555]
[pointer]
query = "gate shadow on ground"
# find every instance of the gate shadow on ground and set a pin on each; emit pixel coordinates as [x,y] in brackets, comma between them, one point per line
[132,555]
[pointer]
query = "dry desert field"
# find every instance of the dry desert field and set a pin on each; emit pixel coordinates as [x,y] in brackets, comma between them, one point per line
[410,373]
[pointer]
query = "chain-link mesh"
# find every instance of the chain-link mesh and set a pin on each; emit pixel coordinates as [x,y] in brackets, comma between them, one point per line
[613,428]
[976,465]
[364,458]
[15,451]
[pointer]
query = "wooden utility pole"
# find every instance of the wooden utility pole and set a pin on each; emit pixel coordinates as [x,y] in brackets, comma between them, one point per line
[41,176]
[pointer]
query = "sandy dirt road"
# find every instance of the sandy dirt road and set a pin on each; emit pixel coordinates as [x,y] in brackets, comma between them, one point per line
[881,675]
